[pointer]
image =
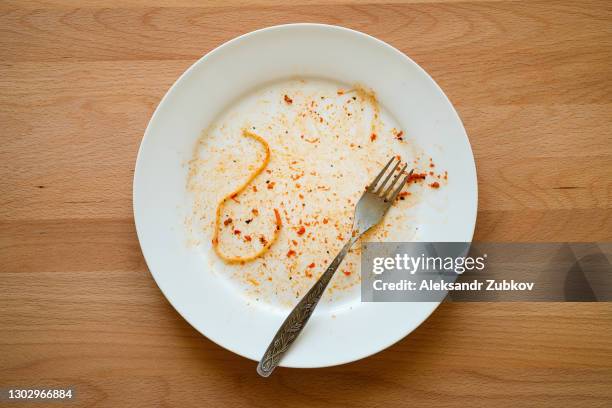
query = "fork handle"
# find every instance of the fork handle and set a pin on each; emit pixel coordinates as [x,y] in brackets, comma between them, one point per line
[297,319]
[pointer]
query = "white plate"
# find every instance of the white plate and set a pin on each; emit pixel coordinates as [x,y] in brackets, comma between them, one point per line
[338,333]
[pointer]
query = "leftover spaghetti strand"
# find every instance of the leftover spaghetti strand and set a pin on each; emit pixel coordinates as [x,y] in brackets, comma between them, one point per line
[233,195]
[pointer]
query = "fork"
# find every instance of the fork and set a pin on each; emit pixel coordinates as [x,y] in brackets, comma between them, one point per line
[369,211]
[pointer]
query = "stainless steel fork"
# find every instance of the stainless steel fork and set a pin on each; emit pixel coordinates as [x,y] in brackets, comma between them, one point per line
[369,211]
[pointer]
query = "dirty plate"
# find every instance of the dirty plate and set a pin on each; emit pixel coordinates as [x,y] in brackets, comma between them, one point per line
[340,331]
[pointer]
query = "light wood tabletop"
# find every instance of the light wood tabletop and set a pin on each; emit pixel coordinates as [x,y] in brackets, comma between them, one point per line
[532,82]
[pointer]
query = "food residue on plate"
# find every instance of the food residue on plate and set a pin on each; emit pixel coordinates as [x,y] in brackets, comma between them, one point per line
[275,179]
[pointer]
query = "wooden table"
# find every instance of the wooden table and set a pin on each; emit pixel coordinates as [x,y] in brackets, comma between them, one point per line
[532,82]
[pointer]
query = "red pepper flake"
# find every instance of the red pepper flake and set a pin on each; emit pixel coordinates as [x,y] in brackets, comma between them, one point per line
[236,232]
[233,197]
[340,237]
[270,278]
[402,196]
[249,220]
[263,240]
[301,231]
[312,265]
[278,220]
[227,222]
[271,185]
[432,165]
[288,100]
[290,253]
[301,196]
[308,274]
[431,173]
[399,135]
[417,176]
[340,92]
[255,211]
[446,175]
[435,184]
[325,220]
[347,273]
[215,241]
[247,238]
[373,137]
[255,188]
[294,242]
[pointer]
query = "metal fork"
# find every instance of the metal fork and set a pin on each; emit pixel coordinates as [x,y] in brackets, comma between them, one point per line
[369,211]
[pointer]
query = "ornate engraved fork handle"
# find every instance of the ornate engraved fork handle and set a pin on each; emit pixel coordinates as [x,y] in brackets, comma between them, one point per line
[297,319]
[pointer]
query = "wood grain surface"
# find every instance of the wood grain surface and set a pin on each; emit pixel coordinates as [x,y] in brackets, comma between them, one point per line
[532,82]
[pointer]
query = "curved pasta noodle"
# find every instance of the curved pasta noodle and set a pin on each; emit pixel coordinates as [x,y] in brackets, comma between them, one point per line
[233,195]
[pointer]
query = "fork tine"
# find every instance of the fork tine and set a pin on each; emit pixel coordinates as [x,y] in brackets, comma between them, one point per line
[397,177]
[384,183]
[382,172]
[399,188]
